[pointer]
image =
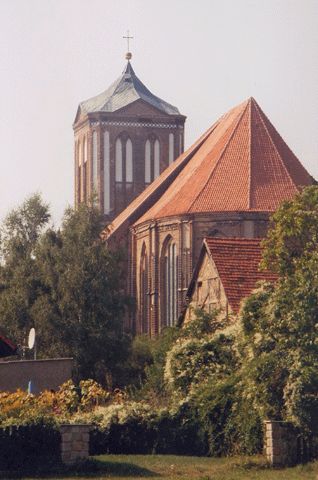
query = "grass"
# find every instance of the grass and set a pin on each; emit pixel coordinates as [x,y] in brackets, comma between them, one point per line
[166,467]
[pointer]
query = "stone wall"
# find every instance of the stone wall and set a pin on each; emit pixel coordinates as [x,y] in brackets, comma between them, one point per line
[74,442]
[280,443]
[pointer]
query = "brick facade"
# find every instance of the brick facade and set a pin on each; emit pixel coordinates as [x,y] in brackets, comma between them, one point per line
[138,122]
[187,233]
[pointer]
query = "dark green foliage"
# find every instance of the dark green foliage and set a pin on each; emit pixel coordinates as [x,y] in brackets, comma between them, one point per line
[25,447]
[163,433]
[152,355]
[279,343]
[68,285]
[294,232]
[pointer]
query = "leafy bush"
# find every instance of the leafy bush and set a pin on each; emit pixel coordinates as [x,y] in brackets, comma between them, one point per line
[22,408]
[24,447]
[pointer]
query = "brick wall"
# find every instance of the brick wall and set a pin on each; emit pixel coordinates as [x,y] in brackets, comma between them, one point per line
[139,122]
[187,232]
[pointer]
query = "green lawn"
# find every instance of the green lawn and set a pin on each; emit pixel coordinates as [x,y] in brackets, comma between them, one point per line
[164,467]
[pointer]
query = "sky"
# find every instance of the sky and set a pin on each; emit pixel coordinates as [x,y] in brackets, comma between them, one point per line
[203,56]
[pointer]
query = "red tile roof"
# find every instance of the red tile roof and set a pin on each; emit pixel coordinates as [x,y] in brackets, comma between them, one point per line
[240,164]
[237,261]
[7,348]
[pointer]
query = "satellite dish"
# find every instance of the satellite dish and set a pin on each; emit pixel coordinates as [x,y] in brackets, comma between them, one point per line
[31,339]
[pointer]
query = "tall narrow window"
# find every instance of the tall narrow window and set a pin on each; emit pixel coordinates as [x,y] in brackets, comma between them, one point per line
[83,186]
[95,172]
[152,160]
[156,159]
[171,148]
[144,297]
[79,172]
[119,161]
[84,150]
[106,174]
[180,143]
[170,263]
[129,161]
[147,162]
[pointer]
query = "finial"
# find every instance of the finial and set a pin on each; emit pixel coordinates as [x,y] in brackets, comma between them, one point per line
[128,54]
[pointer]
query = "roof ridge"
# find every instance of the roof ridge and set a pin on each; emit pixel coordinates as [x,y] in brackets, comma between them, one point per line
[218,161]
[250,157]
[260,112]
[159,181]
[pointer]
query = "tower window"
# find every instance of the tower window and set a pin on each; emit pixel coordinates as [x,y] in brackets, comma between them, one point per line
[95,172]
[106,174]
[119,161]
[124,161]
[129,162]
[156,159]
[171,148]
[152,160]
[147,162]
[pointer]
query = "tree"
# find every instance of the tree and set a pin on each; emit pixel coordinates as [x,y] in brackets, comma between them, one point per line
[19,280]
[280,324]
[67,284]
[86,301]
[294,232]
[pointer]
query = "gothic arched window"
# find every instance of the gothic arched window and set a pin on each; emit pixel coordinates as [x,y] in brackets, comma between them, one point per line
[144,296]
[94,164]
[170,282]
[119,161]
[124,160]
[84,168]
[147,162]
[106,173]
[79,172]
[171,148]
[156,167]
[152,159]
[129,162]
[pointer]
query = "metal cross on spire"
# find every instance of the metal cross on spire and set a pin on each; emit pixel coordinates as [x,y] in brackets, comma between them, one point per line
[128,37]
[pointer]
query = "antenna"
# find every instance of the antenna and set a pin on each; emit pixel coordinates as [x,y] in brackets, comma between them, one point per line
[31,341]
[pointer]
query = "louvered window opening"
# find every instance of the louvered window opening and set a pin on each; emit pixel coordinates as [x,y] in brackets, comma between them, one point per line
[152,160]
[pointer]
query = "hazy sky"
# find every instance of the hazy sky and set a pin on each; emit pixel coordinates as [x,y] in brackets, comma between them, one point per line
[203,56]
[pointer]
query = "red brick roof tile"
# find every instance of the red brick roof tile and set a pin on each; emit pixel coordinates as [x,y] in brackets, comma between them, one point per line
[240,164]
[237,261]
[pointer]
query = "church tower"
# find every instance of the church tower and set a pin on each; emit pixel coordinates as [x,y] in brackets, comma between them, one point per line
[124,138]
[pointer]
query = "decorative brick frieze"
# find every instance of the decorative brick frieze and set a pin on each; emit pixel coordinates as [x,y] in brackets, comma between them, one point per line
[137,124]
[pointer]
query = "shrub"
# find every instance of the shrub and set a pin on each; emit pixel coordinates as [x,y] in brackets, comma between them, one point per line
[24,447]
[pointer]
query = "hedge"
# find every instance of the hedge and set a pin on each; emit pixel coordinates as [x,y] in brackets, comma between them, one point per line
[24,447]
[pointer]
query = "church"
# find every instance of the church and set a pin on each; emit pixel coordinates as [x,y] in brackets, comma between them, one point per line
[160,202]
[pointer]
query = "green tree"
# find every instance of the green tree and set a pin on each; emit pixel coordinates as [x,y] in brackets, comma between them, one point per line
[86,303]
[67,284]
[19,281]
[280,324]
[294,232]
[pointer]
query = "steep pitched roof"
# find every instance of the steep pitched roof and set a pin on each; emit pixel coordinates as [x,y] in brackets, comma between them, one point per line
[243,165]
[125,90]
[237,261]
[240,164]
